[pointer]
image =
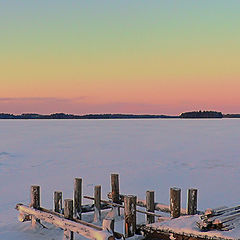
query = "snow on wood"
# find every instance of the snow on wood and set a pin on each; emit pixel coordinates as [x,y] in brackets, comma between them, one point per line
[83,228]
[186,226]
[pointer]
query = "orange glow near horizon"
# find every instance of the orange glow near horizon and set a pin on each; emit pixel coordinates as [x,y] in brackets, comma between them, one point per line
[161,59]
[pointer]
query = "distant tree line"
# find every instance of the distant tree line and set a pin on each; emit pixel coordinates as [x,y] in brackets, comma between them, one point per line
[88,116]
[194,114]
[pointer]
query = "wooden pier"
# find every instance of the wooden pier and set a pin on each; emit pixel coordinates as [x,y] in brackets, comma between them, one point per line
[67,215]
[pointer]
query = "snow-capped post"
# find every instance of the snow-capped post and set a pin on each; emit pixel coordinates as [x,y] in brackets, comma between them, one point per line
[192,201]
[35,202]
[150,206]
[115,190]
[57,201]
[97,203]
[77,197]
[68,214]
[130,215]
[175,202]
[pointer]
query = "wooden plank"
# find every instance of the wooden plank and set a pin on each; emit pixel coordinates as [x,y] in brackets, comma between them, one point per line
[150,206]
[175,202]
[77,197]
[130,215]
[77,226]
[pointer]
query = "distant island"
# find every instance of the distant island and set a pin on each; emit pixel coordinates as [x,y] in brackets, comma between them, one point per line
[191,115]
[202,114]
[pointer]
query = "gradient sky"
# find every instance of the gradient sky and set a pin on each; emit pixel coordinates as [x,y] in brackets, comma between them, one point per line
[123,56]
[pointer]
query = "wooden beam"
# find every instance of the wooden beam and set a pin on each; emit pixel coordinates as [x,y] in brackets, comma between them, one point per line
[78,226]
[121,206]
[158,206]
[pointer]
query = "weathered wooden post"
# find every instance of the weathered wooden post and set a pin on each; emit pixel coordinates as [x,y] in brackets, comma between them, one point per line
[68,213]
[97,203]
[57,202]
[115,190]
[150,206]
[175,202]
[130,215]
[77,197]
[192,201]
[35,202]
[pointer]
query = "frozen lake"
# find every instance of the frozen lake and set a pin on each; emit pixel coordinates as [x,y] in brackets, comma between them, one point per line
[148,155]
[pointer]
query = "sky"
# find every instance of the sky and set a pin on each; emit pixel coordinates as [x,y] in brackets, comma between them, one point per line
[149,56]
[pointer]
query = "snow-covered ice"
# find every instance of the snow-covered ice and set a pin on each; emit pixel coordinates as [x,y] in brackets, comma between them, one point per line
[148,155]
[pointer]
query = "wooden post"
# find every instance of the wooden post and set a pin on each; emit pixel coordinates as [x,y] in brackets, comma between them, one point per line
[35,197]
[175,202]
[150,206]
[130,215]
[68,213]
[97,203]
[115,190]
[57,202]
[77,197]
[192,201]
[35,202]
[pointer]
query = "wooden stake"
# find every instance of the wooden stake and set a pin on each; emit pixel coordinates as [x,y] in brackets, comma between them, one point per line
[115,190]
[192,202]
[77,197]
[35,197]
[68,214]
[57,202]
[115,187]
[150,206]
[175,202]
[35,202]
[130,215]
[97,203]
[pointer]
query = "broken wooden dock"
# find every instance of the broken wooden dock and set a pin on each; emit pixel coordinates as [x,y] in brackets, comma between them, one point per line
[181,224]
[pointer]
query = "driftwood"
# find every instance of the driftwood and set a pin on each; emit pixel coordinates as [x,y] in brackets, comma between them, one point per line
[83,228]
[222,218]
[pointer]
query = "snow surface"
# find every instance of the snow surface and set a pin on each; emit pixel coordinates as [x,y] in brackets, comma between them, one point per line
[187,224]
[148,155]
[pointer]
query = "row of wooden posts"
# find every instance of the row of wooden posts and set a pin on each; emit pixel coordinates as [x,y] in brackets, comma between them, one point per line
[73,208]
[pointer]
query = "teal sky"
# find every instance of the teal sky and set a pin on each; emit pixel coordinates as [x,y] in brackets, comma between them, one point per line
[111,52]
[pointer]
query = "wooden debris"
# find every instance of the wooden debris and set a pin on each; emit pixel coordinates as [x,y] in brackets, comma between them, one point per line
[222,218]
